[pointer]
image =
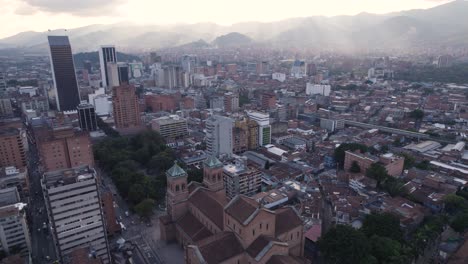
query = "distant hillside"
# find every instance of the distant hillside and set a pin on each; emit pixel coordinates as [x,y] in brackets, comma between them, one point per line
[93,57]
[443,27]
[232,39]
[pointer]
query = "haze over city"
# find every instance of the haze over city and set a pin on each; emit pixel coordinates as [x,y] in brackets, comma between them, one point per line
[41,15]
[233,132]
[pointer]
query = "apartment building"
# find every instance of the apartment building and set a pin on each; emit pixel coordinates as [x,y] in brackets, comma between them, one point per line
[239,178]
[75,212]
[172,126]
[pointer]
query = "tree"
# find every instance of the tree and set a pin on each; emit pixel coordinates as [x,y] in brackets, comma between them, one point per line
[460,222]
[137,193]
[454,203]
[385,250]
[355,167]
[195,175]
[409,161]
[423,165]
[377,172]
[383,225]
[344,244]
[417,114]
[340,151]
[145,208]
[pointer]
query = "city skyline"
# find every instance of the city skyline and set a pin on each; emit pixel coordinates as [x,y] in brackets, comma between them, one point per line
[50,14]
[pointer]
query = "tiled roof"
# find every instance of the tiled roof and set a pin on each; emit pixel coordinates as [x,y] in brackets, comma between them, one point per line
[286,219]
[212,162]
[224,247]
[175,171]
[279,259]
[193,228]
[259,244]
[207,203]
[242,208]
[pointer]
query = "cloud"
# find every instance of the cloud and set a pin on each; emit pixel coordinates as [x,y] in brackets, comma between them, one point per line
[79,7]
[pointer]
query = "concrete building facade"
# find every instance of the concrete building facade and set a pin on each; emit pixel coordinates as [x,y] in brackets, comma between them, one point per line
[172,127]
[219,136]
[75,212]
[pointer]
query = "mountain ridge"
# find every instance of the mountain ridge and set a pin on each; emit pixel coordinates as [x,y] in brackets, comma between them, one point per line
[440,26]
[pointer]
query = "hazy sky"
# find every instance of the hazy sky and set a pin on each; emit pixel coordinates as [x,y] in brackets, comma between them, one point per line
[40,15]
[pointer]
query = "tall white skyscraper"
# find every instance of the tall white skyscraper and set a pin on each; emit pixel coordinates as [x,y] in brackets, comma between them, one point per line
[106,55]
[219,136]
[75,212]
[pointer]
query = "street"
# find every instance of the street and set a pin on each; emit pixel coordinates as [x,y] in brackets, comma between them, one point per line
[43,250]
[144,235]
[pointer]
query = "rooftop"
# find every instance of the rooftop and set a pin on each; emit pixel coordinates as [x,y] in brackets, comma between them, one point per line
[175,171]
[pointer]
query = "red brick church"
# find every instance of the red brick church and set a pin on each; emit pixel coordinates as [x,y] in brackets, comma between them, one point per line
[212,229]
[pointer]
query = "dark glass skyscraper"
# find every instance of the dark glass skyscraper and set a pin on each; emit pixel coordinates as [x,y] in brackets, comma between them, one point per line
[63,72]
[106,56]
[87,117]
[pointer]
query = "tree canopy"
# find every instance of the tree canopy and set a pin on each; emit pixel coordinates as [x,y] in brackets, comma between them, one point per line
[344,244]
[340,151]
[136,165]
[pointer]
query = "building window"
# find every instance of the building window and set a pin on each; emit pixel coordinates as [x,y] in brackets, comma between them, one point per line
[291,236]
[260,226]
[298,234]
[177,188]
[253,232]
[266,226]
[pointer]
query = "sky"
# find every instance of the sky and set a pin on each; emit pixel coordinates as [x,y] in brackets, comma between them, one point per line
[40,15]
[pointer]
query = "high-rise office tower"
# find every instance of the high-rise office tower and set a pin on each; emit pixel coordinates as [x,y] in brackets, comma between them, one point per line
[106,55]
[87,117]
[117,74]
[219,136]
[67,96]
[126,107]
[75,212]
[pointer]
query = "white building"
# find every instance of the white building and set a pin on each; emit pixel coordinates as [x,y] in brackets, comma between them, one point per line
[75,212]
[321,89]
[102,105]
[299,69]
[281,77]
[14,231]
[332,124]
[219,136]
[106,55]
[264,127]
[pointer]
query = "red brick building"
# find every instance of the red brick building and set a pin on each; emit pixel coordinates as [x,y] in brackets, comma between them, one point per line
[214,230]
[63,148]
[268,100]
[161,102]
[126,107]
[13,146]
